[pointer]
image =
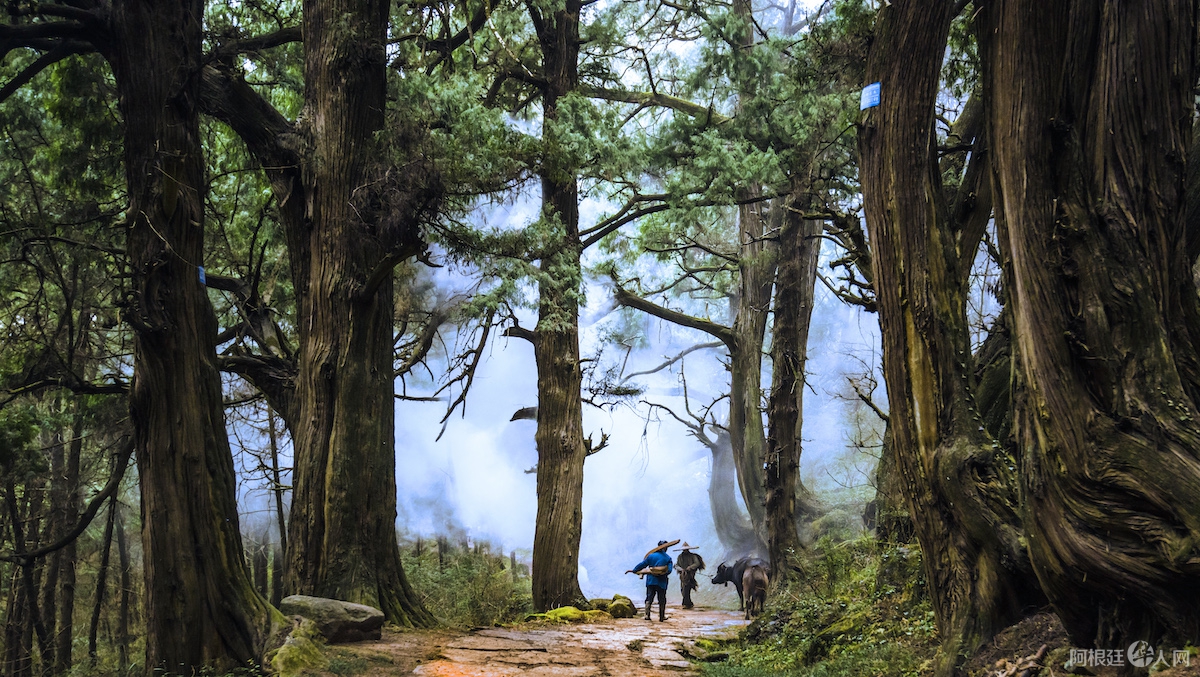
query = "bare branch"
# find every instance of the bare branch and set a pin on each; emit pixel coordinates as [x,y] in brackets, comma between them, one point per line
[673,360]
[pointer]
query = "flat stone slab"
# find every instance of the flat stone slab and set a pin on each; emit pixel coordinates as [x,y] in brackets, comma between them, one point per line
[337,621]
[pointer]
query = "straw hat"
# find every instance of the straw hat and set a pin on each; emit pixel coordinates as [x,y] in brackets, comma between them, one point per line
[685,546]
[662,546]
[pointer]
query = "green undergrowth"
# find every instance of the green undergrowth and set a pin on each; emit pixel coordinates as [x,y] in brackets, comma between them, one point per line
[855,609]
[468,586]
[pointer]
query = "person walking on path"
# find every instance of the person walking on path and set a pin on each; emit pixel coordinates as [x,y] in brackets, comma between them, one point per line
[657,570]
[688,564]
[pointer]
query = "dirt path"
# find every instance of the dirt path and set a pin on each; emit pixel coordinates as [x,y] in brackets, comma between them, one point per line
[630,646]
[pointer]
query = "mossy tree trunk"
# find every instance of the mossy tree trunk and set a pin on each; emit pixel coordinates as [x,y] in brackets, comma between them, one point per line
[1092,126]
[349,219]
[959,485]
[560,443]
[201,608]
[342,529]
[794,289]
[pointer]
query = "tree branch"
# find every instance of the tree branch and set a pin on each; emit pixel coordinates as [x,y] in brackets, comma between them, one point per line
[630,300]
[85,519]
[258,43]
[656,99]
[673,360]
[64,49]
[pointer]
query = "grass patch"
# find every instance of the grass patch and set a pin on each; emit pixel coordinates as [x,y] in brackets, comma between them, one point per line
[345,664]
[468,587]
[857,609]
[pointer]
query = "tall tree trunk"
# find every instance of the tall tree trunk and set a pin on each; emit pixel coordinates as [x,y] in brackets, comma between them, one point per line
[756,274]
[732,526]
[1092,127]
[559,435]
[101,580]
[794,289]
[342,532]
[65,631]
[122,639]
[959,485]
[277,482]
[55,525]
[201,607]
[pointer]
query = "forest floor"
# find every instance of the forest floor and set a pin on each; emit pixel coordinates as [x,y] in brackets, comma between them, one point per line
[619,647]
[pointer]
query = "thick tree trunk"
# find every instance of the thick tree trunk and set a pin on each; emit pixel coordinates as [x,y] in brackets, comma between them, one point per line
[342,532]
[959,485]
[756,269]
[1092,127]
[559,436]
[732,525]
[201,607]
[794,287]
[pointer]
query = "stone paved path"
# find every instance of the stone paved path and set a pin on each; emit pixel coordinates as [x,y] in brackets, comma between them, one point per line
[629,647]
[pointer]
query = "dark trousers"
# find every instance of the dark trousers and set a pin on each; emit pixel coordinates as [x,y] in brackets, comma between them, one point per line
[651,591]
[687,583]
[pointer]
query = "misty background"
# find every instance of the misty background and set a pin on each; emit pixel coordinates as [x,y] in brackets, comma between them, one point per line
[649,483]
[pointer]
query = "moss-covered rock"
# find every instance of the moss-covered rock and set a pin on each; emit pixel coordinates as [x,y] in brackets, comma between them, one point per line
[337,621]
[600,604]
[621,607]
[565,614]
[300,652]
[596,616]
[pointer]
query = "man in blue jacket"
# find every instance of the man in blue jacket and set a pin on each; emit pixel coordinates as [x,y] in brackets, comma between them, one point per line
[656,581]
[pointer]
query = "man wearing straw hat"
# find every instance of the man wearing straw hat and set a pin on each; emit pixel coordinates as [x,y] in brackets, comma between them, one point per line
[687,566]
[657,570]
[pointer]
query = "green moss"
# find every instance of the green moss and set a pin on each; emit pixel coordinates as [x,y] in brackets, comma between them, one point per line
[301,652]
[566,614]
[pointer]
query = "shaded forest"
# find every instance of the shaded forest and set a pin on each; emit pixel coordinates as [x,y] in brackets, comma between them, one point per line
[241,240]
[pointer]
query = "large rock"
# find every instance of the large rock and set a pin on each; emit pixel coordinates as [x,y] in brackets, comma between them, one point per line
[621,607]
[337,621]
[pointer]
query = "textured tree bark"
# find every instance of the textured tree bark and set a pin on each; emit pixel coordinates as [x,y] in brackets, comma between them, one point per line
[559,436]
[201,609]
[1091,124]
[794,288]
[342,531]
[959,485]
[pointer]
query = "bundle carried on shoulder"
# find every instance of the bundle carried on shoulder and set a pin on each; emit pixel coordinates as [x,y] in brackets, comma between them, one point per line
[661,570]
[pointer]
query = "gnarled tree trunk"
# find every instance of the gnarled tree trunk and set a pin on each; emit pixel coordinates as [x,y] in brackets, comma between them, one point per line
[201,609]
[732,525]
[342,530]
[960,486]
[1091,129]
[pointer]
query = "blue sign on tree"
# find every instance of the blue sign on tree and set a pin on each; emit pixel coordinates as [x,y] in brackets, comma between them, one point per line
[870,96]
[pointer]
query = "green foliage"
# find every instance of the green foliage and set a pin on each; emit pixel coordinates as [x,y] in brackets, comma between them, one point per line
[851,612]
[468,587]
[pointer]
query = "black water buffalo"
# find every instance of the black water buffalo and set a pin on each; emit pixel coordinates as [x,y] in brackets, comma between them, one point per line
[754,585]
[733,574]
